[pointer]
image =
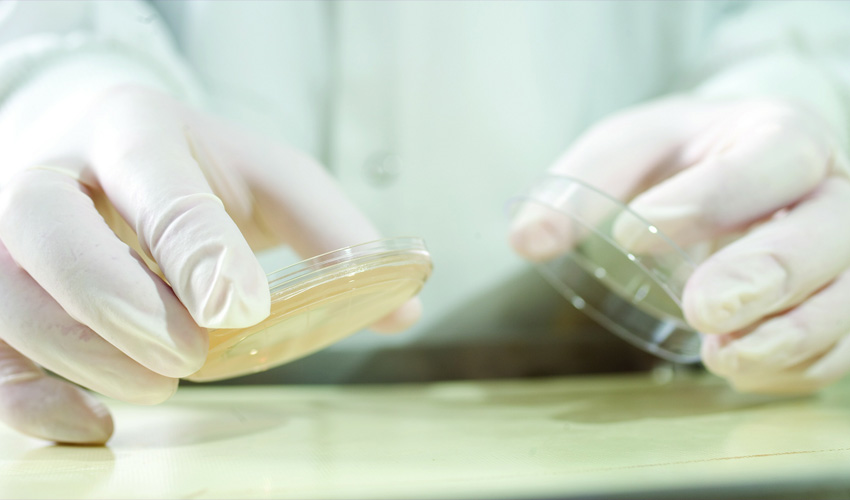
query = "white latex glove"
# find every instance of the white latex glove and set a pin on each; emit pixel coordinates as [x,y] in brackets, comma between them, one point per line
[767,174]
[177,188]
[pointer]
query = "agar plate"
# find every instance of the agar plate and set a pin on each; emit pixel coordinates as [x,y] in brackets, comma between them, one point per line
[319,301]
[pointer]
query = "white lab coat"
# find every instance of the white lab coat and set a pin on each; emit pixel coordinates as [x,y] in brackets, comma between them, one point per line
[431,114]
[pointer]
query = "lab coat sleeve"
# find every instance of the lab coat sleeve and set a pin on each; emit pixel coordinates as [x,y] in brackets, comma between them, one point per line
[793,50]
[52,53]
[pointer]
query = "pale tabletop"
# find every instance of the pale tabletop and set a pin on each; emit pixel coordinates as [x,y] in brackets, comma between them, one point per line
[554,438]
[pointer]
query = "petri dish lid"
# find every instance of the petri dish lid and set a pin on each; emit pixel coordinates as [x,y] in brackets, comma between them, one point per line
[632,288]
[319,301]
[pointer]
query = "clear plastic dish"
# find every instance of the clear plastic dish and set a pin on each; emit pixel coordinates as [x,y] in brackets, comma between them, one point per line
[634,294]
[319,301]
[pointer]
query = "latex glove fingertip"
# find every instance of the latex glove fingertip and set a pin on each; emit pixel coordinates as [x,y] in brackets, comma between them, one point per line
[55,410]
[401,319]
[538,234]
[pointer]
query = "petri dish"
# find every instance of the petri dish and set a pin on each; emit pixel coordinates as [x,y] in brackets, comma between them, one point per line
[632,288]
[319,301]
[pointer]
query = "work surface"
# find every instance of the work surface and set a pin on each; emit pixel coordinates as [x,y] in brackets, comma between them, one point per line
[557,438]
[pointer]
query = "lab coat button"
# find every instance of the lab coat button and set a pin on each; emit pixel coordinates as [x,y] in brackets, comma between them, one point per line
[382,168]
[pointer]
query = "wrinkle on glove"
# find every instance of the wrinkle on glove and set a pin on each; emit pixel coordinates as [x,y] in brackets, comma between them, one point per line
[180,223]
[31,319]
[95,277]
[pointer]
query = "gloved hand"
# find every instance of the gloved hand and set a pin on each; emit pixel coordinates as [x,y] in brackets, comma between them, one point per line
[766,182]
[135,176]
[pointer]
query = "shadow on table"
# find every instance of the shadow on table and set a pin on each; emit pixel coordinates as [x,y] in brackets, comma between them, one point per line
[185,424]
[609,404]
